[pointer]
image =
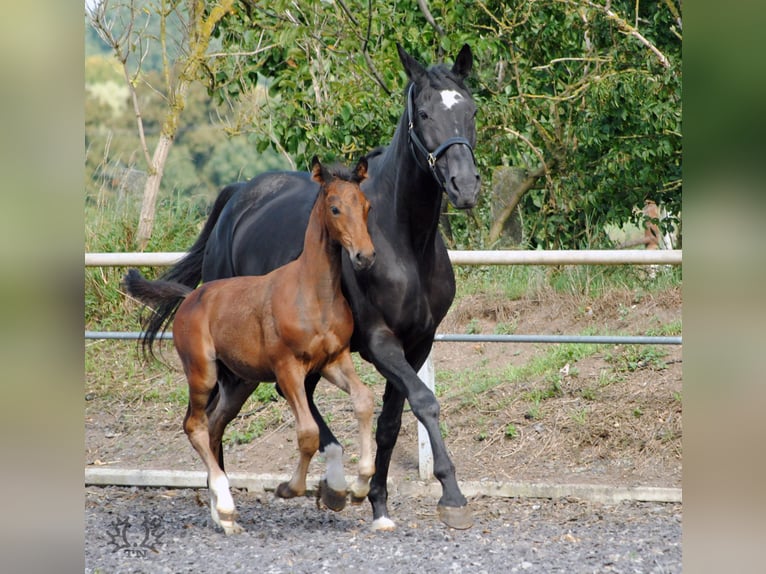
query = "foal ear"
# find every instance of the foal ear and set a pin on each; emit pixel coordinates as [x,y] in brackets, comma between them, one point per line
[463,62]
[317,173]
[360,171]
[414,69]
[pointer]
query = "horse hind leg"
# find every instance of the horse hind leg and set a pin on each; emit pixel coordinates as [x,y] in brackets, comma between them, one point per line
[230,394]
[201,376]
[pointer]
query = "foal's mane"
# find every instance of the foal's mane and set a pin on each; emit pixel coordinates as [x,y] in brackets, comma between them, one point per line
[340,171]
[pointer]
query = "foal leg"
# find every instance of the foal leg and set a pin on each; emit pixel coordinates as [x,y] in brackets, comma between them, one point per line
[290,380]
[201,376]
[343,375]
[332,487]
[231,394]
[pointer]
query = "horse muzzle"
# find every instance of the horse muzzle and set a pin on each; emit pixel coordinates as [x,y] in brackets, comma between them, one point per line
[362,260]
[463,188]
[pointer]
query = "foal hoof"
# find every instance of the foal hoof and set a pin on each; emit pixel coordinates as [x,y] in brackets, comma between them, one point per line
[332,499]
[284,491]
[228,522]
[232,527]
[357,500]
[458,517]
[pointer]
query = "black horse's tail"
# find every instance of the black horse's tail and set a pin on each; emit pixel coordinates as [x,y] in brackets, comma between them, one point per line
[188,272]
[167,295]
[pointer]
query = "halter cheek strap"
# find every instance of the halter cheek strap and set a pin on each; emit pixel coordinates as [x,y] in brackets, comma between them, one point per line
[416,143]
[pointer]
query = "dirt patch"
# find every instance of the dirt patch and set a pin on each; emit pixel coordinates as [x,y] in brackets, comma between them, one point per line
[518,412]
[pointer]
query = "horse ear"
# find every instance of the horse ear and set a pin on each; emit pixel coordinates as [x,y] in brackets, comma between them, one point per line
[463,62]
[316,170]
[414,69]
[360,172]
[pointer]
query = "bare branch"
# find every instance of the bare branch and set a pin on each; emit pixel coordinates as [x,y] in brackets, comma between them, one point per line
[121,47]
[429,17]
[630,30]
[532,147]
[365,43]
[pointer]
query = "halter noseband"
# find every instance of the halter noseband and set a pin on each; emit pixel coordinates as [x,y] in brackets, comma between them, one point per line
[431,157]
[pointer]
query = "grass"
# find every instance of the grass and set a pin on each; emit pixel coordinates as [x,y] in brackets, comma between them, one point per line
[515,282]
[113,229]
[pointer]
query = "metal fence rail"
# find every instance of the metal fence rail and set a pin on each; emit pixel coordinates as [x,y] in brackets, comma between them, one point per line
[504,257]
[468,338]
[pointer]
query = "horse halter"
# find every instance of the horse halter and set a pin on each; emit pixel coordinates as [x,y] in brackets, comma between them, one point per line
[431,156]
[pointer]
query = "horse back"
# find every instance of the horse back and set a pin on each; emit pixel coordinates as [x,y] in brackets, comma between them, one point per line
[262,226]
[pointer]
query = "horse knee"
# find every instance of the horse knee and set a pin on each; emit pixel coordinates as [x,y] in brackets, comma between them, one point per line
[364,404]
[425,406]
[308,441]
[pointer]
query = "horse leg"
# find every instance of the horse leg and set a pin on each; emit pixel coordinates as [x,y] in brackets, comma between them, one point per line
[343,375]
[403,382]
[332,487]
[201,376]
[231,394]
[291,382]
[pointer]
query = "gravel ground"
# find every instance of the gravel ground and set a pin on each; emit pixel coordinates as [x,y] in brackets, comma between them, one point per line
[169,530]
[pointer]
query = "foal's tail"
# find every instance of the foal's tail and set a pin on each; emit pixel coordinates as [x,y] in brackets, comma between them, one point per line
[188,272]
[160,294]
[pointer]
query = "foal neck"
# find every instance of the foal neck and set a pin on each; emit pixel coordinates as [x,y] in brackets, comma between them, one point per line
[321,258]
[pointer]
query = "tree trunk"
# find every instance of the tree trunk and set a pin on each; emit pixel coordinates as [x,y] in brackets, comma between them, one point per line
[520,187]
[151,189]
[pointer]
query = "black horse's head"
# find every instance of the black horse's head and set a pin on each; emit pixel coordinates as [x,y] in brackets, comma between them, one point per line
[442,128]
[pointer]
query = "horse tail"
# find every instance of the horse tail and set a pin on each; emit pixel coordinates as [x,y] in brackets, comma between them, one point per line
[188,272]
[189,269]
[160,294]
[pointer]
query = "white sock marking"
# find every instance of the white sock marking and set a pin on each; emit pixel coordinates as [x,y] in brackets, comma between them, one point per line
[336,478]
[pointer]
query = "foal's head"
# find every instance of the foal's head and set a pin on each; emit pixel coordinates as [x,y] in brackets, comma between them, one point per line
[346,209]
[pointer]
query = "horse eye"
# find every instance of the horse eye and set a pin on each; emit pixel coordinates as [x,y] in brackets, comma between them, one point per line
[423,114]
[335,210]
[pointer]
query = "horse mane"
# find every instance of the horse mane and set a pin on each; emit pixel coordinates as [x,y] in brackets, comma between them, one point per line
[343,172]
[376,152]
[438,75]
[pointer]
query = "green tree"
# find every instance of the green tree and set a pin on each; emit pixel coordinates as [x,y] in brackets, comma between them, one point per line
[584,97]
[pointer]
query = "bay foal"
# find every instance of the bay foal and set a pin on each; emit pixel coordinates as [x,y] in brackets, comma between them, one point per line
[279,327]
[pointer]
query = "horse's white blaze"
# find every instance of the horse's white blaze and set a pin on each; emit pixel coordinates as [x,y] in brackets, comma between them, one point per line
[450,98]
[336,479]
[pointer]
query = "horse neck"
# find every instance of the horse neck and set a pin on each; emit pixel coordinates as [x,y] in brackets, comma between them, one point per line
[320,260]
[417,195]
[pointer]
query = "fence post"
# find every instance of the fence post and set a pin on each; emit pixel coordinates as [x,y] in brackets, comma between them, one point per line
[425,455]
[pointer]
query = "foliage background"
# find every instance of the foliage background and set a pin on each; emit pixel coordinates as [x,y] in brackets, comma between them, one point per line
[567,93]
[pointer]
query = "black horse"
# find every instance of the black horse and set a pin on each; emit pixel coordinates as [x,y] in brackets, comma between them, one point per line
[398,303]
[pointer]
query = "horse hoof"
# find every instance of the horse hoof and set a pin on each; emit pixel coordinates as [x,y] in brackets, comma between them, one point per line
[284,491]
[332,499]
[458,517]
[357,500]
[359,491]
[227,521]
[383,524]
[230,528]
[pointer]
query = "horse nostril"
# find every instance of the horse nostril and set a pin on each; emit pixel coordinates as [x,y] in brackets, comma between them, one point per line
[363,260]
